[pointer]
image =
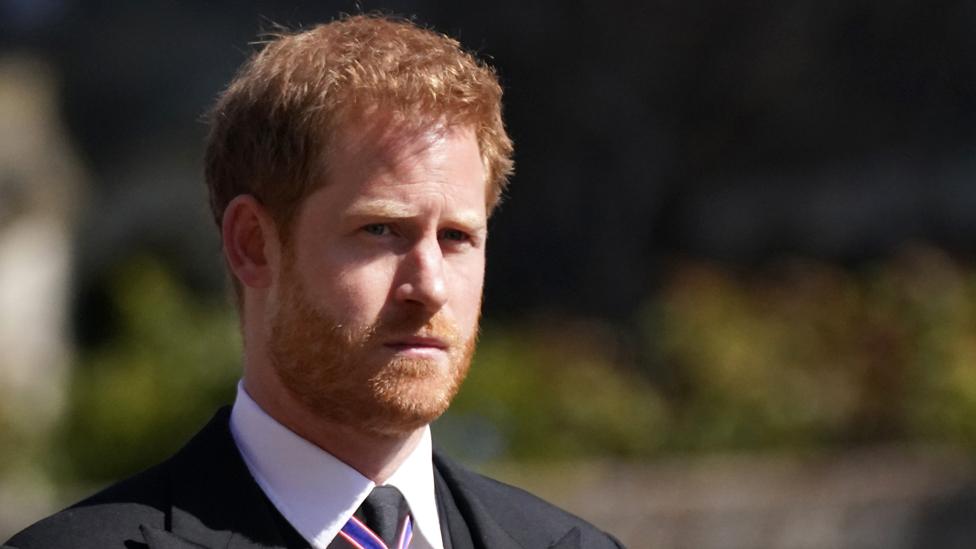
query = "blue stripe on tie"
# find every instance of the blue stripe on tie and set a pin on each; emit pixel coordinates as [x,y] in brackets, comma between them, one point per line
[359,535]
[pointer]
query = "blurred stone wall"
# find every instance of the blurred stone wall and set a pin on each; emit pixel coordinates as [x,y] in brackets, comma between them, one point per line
[41,182]
[877,498]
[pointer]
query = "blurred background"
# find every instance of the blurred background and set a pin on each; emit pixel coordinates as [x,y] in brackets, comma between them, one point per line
[731,296]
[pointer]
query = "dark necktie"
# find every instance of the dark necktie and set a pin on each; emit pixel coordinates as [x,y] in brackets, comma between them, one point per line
[381,522]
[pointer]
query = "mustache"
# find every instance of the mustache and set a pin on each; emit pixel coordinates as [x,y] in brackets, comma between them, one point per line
[405,324]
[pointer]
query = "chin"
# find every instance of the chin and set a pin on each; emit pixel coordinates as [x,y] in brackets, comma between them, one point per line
[406,405]
[400,397]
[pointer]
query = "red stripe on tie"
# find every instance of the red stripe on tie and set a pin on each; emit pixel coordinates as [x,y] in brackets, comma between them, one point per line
[406,534]
[352,541]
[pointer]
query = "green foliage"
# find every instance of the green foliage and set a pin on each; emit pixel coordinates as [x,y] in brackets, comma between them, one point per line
[143,394]
[553,392]
[807,354]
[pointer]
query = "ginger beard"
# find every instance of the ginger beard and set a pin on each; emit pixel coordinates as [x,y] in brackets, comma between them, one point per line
[343,373]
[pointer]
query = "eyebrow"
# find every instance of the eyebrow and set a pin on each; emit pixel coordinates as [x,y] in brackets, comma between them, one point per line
[382,208]
[390,209]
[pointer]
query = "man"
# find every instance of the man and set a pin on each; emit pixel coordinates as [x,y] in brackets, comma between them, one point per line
[352,169]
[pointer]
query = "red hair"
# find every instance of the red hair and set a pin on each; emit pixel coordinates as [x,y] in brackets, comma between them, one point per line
[272,127]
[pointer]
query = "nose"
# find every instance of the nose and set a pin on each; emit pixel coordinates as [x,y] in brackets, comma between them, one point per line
[421,276]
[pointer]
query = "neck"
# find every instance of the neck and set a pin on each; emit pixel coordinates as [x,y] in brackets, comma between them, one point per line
[375,456]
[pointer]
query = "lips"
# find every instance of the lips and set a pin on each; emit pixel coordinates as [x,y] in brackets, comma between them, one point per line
[416,342]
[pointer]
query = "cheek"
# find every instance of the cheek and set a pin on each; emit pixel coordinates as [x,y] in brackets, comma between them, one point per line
[341,279]
[466,291]
[360,292]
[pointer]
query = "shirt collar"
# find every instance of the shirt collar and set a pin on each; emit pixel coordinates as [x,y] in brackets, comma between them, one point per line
[315,491]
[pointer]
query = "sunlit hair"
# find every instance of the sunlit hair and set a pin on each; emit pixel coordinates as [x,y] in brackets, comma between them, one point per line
[272,128]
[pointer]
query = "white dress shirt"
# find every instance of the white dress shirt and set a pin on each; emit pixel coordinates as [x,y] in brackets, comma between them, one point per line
[316,492]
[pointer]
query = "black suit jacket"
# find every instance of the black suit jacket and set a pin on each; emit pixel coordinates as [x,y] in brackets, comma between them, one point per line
[204,496]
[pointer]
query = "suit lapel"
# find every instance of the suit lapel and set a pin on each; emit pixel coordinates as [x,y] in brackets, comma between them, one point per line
[485,531]
[454,529]
[570,541]
[215,501]
[157,538]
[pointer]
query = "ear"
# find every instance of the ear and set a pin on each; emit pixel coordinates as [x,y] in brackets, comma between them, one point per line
[250,242]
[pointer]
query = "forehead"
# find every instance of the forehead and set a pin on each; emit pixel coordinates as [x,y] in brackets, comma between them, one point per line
[378,167]
[385,135]
[379,151]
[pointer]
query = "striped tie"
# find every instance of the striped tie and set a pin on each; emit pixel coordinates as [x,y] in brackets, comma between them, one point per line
[381,522]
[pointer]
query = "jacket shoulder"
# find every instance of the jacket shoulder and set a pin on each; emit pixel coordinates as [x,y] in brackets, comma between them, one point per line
[535,521]
[109,518]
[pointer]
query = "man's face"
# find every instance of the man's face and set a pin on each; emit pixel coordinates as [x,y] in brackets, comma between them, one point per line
[375,310]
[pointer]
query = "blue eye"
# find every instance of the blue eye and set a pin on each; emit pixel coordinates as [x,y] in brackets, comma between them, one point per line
[454,234]
[377,229]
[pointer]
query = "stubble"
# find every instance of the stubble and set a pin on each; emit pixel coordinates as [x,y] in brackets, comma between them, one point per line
[343,374]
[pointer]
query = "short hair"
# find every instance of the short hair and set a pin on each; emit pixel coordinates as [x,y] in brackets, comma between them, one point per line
[271,129]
